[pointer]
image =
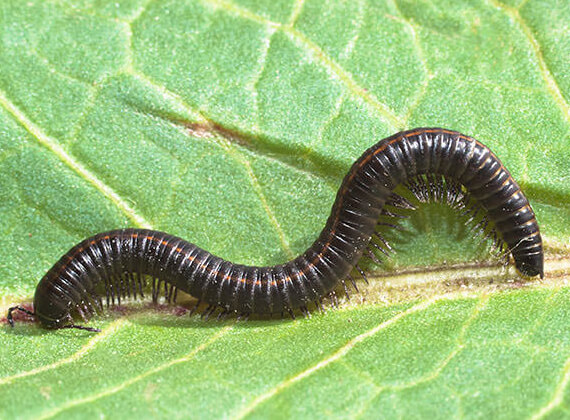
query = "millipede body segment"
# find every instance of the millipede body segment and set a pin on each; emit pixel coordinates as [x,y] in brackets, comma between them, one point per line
[440,162]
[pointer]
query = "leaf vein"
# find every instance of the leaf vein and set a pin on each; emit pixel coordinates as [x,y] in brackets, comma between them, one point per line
[459,345]
[333,116]
[261,149]
[108,331]
[93,95]
[423,60]
[387,114]
[297,9]
[125,384]
[54,147]
[257,77]
[272,218]
[558,395]
[356,29]
[338,355]
[54,70]
[139,11]
[547,76]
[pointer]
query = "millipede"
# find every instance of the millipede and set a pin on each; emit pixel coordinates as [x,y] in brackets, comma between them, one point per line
[433,164]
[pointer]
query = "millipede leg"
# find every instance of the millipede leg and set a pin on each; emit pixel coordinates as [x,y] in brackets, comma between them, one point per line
[400,202]
[17,308]
[140,283]
[125,285]
[166,293]
[155,289]
[391,225]
[333,298]
[117,284]
[503,253]
[441,187]
[379,248]
[223,314]
[353,282]
[82,313]
[318,305]
[431,187]
[112,289]
[243,316]
[91,304]
[473,216]
[345,289]
[79,327]
[133,284]
[107,293]
[361,271]
[455,197]
[480,228]
[372,256]
[170,293]
[191,312]
[209,310]
[388,213]
[384,241]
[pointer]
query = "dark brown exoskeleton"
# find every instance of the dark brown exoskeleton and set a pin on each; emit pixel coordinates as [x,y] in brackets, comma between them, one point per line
[432,162]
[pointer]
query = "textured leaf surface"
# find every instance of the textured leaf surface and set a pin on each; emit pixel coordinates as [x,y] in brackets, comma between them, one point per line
[232,124]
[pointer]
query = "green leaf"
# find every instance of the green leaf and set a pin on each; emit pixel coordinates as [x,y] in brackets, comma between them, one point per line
[232,124]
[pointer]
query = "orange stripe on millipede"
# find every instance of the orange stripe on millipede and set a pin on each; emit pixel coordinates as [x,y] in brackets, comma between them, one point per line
[326,244]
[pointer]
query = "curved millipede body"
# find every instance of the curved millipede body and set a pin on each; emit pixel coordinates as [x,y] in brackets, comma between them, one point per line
[429,161]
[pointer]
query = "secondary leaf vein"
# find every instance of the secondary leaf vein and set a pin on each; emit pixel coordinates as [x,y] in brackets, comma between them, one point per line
[459,345]
[120,387]
[545,72]
[108,331]
[558,395]
[339,354]
[53,146]
[314,50]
